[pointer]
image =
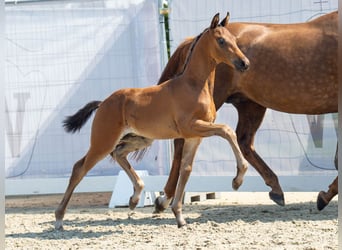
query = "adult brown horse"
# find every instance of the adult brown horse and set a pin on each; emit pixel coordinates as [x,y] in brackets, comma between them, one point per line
[182,107]
[293,69]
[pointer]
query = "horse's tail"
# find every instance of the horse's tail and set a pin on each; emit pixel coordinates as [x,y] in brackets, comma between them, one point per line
[75,122]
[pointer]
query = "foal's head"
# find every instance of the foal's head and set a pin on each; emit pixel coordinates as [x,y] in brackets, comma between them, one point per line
[224,47]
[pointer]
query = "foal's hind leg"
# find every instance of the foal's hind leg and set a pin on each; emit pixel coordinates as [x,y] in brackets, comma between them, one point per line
[130,144]
[105,134]
[80,169]
[138,184]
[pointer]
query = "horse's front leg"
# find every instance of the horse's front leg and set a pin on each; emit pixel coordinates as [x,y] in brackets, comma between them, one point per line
[189,149]
[250,117]
[163,201]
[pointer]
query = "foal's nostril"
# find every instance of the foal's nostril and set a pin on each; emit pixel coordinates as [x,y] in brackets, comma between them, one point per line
[241,65]
[245,65]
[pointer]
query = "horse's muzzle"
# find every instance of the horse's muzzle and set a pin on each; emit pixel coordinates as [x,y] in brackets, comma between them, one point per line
[241,64]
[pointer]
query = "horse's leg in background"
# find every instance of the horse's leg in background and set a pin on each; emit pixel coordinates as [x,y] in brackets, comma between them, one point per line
[324,198]
[162,202]
[189,149]
[128,144]
[250,117]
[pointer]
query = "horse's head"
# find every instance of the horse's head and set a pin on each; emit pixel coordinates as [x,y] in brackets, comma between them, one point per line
[224,47]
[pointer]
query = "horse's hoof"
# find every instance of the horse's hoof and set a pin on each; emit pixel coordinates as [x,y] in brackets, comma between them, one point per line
[59,225]
[132,204]
[321,202]
[277,198]
[158,207]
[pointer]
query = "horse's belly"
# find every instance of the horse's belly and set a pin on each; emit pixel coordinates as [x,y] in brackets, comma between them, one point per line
[298,102]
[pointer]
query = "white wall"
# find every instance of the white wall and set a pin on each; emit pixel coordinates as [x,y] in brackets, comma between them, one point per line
[62,55]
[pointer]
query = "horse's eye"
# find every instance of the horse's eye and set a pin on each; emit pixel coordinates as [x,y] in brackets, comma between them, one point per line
[221,41]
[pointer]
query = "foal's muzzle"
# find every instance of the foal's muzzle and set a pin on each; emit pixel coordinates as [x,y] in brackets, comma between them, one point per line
[241,64]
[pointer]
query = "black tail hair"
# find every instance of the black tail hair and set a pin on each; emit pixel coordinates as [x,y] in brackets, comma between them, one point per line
[75,122]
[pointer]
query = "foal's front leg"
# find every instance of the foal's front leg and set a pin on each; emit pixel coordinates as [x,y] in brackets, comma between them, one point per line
[163,201]
[189,150]
[206,129]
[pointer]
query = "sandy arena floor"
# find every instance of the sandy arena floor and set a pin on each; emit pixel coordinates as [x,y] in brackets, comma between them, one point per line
[236,220]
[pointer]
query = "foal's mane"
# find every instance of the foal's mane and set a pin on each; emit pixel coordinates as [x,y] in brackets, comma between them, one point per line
[188,56]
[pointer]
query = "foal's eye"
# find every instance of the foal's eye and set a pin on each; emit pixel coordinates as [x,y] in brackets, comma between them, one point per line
[221,41]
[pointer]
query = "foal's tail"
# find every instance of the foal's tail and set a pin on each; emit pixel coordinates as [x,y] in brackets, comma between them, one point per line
[75,122]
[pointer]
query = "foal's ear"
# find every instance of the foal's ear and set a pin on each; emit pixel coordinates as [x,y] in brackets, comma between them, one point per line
[225,21]
[215,21]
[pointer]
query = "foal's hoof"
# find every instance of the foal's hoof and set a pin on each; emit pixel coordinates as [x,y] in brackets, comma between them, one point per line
[59,225]
[321,202]
[277,198]
[132,205]
[158,207]
[236,184]
[181,224]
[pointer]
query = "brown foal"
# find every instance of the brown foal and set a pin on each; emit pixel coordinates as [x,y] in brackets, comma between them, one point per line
[182,107]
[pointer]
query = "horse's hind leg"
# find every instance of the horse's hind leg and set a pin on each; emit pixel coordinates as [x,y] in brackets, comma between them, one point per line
[248,124]
[324,198]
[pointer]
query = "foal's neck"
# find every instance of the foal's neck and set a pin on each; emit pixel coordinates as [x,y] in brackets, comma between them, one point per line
[201,66]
